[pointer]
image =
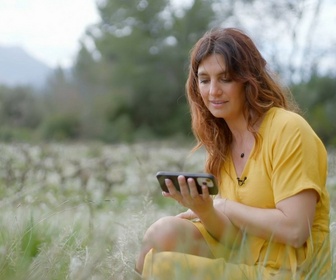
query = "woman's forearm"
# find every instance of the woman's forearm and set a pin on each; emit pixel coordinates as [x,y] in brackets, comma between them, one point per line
[263,223]
[220,227]
[289,223]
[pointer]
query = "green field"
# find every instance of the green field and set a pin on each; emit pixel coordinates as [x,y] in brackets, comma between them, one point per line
[79,211]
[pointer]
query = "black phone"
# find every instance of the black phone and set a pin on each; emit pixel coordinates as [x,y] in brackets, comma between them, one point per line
[200,179]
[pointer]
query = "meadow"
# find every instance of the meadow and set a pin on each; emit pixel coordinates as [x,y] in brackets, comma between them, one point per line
[79,211]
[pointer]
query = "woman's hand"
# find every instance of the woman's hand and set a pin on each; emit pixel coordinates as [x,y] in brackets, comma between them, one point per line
[202,207]
[188,195]
[220,204]
[188,215]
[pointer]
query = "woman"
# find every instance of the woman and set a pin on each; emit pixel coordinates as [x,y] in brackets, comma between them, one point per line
[271,217]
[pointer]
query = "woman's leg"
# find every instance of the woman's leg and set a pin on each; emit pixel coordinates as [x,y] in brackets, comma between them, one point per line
[173,234]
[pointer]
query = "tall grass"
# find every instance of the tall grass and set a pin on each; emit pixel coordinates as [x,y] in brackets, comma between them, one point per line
[80,211]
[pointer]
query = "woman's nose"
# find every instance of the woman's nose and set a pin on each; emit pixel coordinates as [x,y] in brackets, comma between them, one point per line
[215,88]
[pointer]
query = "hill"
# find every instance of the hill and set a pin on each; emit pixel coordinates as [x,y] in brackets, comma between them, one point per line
[17,67]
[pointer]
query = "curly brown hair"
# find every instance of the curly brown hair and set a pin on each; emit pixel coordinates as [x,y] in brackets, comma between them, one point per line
[245,64]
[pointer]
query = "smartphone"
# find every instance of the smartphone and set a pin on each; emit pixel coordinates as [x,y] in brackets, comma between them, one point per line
[199,178]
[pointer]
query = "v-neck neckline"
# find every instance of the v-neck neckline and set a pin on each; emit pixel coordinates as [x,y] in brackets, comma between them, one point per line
[245,165]
[248,160]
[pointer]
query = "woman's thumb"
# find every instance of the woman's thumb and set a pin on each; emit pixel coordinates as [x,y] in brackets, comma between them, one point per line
[187,215]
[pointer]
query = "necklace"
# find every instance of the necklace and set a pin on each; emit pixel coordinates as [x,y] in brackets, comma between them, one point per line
[242,155]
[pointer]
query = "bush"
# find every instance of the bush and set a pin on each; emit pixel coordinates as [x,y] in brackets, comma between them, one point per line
[61,127]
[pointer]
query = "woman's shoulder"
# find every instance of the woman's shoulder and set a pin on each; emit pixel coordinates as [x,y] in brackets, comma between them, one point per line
[283,126]
[279,119]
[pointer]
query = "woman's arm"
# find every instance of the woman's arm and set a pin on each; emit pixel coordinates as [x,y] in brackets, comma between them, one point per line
[203,207]
[219,225]
[289,223]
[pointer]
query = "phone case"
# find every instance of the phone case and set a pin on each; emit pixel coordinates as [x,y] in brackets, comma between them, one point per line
[200,179]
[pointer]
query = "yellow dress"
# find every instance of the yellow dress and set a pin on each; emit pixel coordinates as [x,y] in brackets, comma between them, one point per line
[291,159]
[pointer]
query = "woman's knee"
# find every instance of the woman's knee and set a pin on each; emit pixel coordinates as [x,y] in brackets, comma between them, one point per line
[175,234]
[166,232]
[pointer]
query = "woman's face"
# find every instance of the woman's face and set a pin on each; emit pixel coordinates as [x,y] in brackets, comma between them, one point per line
[223,96]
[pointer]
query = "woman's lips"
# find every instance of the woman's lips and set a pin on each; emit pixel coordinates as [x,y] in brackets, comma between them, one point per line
[218,103]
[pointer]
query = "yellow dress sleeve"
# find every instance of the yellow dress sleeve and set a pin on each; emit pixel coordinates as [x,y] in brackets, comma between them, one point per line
[299,159]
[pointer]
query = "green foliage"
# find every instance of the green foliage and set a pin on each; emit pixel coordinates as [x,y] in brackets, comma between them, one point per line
[19,107]
[121,129]
[143,47]
[61,127]
[31,240]
[128,79]
[22,246]
[63,225]
[317,99]
[10,134]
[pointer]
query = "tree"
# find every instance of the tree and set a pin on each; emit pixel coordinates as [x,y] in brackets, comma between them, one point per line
[62,108]
[20,113]
[317,100]
[286,32]
[19,108]
[133,62]
[143,48]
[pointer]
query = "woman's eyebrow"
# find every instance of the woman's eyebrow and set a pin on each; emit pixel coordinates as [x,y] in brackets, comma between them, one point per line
[204,73]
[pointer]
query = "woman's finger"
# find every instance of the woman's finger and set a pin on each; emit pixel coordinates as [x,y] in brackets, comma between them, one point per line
[171,188]
[205,191]
[184,188]
[173,192]
[193,188]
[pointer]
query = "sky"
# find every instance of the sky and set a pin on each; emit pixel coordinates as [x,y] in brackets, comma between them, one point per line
[50,30]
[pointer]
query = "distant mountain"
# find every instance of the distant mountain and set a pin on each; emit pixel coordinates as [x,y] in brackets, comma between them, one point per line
[17,67]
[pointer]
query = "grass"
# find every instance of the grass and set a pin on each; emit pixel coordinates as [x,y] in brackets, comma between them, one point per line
[80,211]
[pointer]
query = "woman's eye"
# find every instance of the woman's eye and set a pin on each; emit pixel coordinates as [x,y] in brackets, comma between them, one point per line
[203,81]
[226,79]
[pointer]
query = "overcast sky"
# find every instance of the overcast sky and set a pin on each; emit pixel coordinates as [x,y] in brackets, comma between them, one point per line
[47,29]
[50,29]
